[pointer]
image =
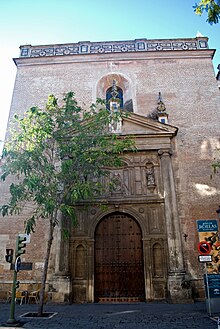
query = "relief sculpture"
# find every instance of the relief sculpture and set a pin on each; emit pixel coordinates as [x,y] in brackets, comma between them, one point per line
[150,175]
[117,184]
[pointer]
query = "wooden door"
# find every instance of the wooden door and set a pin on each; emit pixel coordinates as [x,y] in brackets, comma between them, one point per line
[119,271]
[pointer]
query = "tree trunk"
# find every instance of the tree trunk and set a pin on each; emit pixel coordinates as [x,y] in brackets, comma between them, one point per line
[46,262]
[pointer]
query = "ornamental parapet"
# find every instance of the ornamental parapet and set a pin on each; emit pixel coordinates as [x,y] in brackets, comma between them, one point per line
[106,47]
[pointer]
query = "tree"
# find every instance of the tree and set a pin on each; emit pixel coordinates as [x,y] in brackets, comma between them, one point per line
[216,162]
[57,157]
[212,7]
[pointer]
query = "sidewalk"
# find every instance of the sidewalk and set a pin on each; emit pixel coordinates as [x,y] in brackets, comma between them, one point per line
[114,316]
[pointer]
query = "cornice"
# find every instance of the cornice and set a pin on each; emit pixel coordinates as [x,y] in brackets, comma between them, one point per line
[106,47]
[114,57]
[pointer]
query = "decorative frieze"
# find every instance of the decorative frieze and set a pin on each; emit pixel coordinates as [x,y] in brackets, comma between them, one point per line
[142,45]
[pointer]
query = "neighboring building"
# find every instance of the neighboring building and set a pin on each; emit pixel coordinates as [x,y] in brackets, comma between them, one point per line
[143,246]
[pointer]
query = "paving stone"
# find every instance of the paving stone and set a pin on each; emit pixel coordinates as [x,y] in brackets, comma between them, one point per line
[115,316]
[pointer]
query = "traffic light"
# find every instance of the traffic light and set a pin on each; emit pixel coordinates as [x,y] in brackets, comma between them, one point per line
[9,255]
[20,245]
[17,284]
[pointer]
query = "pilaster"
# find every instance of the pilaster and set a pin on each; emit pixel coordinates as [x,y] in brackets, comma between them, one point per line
[60,284]
[175,262]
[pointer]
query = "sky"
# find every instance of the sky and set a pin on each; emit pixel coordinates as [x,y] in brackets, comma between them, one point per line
[44,22]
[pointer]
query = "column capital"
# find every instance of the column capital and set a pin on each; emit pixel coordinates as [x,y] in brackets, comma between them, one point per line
[165,152]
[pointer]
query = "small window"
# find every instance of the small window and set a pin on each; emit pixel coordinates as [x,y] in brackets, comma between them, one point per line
[128,106]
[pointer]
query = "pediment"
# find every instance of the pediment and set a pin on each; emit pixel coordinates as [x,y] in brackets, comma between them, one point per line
[135,124]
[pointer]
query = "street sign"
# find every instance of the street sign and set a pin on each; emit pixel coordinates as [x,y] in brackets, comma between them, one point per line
[18,264]
[207,225]
[204,248]
[205,258]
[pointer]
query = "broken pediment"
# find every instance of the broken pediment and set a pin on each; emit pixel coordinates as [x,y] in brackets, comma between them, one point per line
[148,134]
[135,124]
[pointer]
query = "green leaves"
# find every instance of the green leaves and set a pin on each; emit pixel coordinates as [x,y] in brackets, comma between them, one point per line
[58,156]
[211,7]
[216,165]
[30,225]
[4,210]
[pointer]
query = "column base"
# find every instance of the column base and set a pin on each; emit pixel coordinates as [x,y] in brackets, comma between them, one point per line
[60,289]
[179,288]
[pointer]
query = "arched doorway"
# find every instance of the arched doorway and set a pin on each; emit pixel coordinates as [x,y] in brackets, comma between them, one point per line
[119,270]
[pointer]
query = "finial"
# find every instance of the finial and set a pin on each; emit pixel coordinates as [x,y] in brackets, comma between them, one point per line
[161,106]
[161,110]
[199,35]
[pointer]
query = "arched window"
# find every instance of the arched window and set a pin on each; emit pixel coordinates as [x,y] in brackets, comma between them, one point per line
[109,96]
[158,263]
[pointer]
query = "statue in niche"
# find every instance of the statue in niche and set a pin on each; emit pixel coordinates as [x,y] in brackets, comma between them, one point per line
[150,175]
[114,104]
[118,186]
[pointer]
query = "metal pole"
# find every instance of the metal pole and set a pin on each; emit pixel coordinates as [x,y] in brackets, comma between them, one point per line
[12,320]
[208,293]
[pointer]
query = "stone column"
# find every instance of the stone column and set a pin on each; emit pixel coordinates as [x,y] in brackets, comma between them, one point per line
[176,273]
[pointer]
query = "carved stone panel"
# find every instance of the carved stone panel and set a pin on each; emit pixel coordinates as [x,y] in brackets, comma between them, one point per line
[156,219]
[138,177]
[159,268]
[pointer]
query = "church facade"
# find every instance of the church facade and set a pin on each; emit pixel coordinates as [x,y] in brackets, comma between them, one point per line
[142,245]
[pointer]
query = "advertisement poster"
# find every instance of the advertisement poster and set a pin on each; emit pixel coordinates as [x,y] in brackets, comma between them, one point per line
[208,231]
[213,284]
